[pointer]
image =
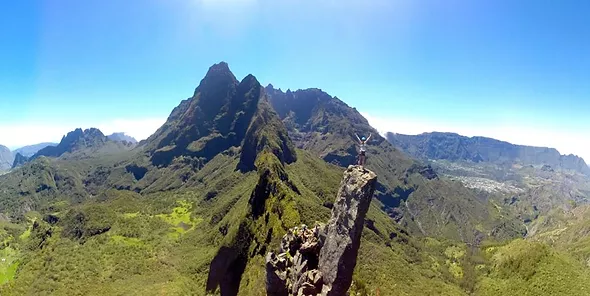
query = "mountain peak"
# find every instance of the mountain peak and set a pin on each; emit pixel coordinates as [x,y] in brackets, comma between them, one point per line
[93,132]
[250,79]
[219,67]
[74,140]
[219,73]
[77,134]
[223,113]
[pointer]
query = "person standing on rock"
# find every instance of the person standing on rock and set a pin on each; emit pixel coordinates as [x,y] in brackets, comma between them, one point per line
[363,149]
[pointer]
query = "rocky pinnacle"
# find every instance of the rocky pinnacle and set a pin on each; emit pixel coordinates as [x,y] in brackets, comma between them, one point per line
[343,232]
[321,260]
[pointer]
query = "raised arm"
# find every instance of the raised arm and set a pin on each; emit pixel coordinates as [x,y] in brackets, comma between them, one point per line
[369,137]
[357,137]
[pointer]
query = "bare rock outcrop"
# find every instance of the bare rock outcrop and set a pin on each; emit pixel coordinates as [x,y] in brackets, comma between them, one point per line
[321,260]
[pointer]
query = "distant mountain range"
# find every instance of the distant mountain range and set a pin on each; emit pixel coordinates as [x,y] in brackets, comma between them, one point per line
[76,140]
[30,150]
[454,147]
[80,143]
[122,137]
[8,157]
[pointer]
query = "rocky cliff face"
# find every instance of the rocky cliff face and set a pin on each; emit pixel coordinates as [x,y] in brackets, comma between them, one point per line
[19,160]
[321,261]
[6,158]
[343,233]
[454,147]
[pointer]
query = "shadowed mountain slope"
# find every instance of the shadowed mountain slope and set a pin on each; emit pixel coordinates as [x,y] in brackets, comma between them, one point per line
[222,113]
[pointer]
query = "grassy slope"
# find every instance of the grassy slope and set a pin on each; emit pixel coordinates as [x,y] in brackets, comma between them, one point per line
[163,242]
[532,268]
[159,243]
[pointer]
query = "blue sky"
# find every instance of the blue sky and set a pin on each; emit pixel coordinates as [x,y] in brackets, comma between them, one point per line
[514,70]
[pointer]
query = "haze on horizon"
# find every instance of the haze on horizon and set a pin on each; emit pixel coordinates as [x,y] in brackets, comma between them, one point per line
[516,72]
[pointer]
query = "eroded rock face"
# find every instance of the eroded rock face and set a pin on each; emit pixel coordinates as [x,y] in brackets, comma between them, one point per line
[19,160]
[321,260]
[343,233]
[276,274]
[294,271]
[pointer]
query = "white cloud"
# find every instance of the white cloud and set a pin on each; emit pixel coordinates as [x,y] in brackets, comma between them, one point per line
[18,135]
[567,142]
[140,129]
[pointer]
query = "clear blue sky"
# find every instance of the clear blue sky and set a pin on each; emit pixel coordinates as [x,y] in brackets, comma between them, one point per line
[463,65]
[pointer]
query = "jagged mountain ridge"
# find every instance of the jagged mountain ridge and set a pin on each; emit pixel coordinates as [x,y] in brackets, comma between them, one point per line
[222,113]
[454,147]
[88,143]
[74,140]
[90,140]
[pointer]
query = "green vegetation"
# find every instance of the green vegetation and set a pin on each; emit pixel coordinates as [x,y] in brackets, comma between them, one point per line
[180,218]
[121,241]
[8,264]
[194,209]
[530,268]
[164,239]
